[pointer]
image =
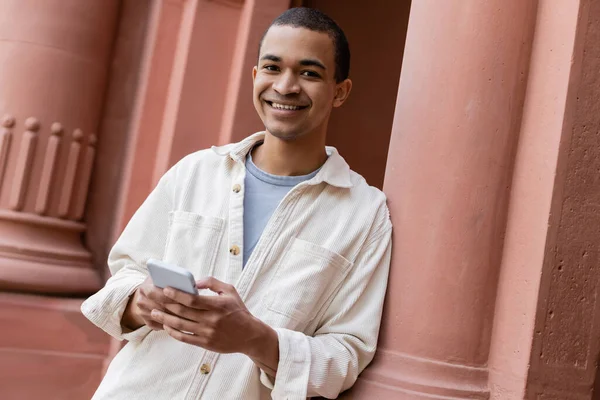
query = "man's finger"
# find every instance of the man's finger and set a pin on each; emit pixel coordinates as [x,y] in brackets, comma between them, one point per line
[183,311]
[157,326]
[185,337]
[192,300]
[144,303]
[156,294]
[174,321]
[214,285]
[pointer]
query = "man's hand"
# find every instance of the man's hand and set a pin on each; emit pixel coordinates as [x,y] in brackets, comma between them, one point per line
[219,323]
[146,298]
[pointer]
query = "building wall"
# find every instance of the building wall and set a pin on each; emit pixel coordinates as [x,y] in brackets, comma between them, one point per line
[54,73]
[361,129]
[485,143]
[566,346]
[122,92]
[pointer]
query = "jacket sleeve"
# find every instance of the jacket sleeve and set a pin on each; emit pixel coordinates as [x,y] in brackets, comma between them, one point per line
[144,237]
[345,342]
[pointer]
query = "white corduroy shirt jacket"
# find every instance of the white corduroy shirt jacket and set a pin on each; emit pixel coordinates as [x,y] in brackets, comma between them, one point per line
[318,276]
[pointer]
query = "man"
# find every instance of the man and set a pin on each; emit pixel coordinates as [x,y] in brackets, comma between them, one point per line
[294,244]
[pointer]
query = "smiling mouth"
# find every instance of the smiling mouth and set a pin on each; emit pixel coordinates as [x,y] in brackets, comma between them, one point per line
[285,107]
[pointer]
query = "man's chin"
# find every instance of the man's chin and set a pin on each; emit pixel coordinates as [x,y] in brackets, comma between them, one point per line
[283,134]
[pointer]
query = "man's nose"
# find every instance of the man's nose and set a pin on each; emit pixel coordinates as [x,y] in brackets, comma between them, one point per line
[286,84]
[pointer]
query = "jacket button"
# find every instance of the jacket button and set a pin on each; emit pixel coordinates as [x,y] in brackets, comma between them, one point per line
[237,188]
[205,369]
[234,250]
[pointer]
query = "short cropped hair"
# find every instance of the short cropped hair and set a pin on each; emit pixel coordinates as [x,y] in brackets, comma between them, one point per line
[315,20]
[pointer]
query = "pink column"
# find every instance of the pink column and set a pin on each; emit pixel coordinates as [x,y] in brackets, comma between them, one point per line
[447,179]
[55,55]
[532,247]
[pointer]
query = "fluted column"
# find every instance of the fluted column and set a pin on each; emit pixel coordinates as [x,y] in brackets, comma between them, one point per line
[54,57]
[447,179]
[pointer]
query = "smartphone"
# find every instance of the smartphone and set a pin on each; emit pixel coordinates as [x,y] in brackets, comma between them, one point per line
[164,275]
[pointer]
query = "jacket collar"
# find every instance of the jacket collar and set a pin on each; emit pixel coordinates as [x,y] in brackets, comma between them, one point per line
[335,171]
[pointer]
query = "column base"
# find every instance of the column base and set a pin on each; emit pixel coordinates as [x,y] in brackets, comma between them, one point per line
[48,349]
[44,255]
[398,375]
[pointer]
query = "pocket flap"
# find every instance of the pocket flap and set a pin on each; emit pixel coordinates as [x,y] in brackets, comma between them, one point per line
[332,258]
[306,277]
[193,241]
[193,219]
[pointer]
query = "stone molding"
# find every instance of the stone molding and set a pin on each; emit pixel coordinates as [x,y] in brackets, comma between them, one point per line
[71,187]
[401,372]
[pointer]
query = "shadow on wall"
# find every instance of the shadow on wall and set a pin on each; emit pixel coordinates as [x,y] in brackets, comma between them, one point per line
[361,129]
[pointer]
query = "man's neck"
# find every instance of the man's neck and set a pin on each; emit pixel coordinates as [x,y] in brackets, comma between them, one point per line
[289,158]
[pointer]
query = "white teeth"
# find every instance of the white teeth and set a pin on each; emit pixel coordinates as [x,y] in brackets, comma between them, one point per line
[284,107]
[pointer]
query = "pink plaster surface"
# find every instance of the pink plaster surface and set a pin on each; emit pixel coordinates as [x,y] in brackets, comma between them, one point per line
[48,349]
[566,346]
[54,75]
[122,95]
[198,83]
[546,117]
[456,125]
[463,317]
[54,58]
[137,178]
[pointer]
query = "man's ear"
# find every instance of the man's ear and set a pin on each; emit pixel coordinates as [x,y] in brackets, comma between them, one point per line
[254,71]
[342,91]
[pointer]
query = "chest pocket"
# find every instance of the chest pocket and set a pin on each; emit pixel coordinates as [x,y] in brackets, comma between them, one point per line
[193,242]
[305,279]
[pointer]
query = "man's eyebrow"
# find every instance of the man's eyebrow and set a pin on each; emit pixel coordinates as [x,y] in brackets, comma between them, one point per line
[309,62]
[312,63]
[271,57]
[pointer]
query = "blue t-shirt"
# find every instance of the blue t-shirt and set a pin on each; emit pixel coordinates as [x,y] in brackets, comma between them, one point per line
[262,194]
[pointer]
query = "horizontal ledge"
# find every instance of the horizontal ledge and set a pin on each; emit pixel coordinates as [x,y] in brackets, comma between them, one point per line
[38,220]
[95,64]
[52,353]
[37,277]
[430,378]
[230,3]
[40,302]
[376,390]
[45,255]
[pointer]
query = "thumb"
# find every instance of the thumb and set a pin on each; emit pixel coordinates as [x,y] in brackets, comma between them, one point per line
[214,285]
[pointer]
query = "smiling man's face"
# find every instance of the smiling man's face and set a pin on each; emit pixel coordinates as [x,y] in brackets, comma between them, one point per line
[294,82]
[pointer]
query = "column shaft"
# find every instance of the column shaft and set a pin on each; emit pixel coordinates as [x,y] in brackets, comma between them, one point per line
[447,179]
[55,57]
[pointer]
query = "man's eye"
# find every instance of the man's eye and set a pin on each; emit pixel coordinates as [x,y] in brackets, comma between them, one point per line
[311,74]
[271,67]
